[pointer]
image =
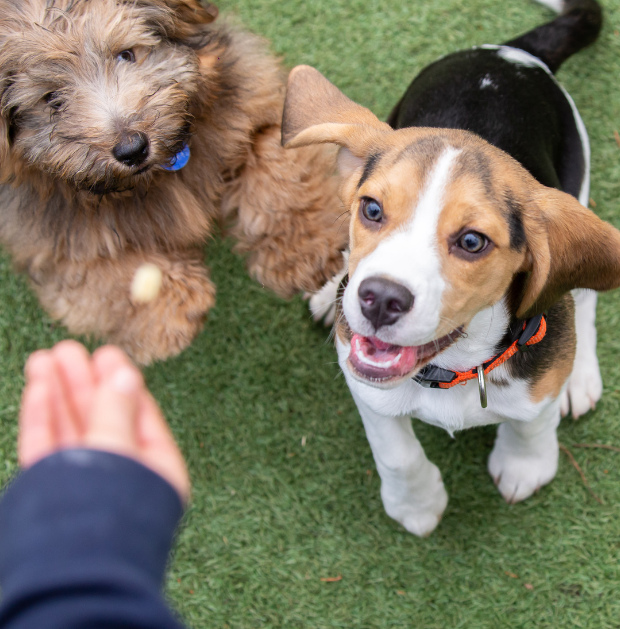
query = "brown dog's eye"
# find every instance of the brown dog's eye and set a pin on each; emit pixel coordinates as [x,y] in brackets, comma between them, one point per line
[473,242]
[126,55]
[371,209]
[51,98]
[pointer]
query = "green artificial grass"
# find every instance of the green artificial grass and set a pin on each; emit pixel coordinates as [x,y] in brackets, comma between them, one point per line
[271,516]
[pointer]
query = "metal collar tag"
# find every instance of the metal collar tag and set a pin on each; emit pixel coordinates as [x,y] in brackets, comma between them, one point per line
[482,386]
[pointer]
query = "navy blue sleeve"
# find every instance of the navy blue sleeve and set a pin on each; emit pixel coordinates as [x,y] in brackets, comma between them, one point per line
[84,542]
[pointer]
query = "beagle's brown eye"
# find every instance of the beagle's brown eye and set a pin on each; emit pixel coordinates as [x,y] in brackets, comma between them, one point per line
[473,242]
[127,56]
[371,209]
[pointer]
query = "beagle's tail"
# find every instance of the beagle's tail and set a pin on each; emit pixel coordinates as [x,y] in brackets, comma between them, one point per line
[577,26]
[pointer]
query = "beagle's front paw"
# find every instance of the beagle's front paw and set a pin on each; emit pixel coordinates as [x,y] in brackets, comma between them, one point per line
[420,512]
[518,475]
[323,303]
[584,388]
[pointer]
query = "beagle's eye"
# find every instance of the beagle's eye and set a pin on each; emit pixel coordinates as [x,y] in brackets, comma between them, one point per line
[128,56]
[472,242]
[371,209]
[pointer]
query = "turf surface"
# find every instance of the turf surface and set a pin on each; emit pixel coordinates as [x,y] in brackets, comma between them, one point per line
[271,516]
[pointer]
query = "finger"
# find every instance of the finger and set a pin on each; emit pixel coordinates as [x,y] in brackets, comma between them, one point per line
[36,438]
[112,425]
[107,360]
[152,427]
[37,365]
[159,449]
[67,424]
[42,367]
[76,371]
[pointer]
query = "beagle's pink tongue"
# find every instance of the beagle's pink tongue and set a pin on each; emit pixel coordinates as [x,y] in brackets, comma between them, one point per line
[375,359]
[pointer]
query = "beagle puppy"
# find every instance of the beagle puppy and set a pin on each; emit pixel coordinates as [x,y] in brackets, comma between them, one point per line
[469,230]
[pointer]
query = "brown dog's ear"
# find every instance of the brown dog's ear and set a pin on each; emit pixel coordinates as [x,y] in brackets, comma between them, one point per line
[188,19]
[5,122]
[569,247]
[4,141]
[4,138]
[317,112]
[194,11]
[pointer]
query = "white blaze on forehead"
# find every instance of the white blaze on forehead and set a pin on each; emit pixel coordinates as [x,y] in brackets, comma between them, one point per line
[423,227]
[410,257]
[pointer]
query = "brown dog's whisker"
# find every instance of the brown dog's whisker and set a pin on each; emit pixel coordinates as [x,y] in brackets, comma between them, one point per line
[341,215]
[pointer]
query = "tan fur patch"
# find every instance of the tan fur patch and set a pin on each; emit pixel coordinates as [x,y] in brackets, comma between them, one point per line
[561,357]
[550,384]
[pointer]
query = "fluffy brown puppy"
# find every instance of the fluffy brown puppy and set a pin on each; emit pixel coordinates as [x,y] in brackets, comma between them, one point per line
[97,97]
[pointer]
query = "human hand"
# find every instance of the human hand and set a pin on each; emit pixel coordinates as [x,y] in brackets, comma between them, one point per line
[73,400]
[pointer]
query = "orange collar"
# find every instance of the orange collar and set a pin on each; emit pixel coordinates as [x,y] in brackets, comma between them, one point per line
[533,331]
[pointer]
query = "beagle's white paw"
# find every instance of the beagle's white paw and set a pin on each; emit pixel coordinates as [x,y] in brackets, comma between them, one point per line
[420,513]
[323,303]
[420,519]
[584,387]
[519,475]
[420,524]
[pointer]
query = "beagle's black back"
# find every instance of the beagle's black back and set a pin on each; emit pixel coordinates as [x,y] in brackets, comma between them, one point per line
[509,100]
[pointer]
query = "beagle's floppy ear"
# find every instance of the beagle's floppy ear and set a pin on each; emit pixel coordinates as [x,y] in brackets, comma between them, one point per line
[317,112]
[569,247]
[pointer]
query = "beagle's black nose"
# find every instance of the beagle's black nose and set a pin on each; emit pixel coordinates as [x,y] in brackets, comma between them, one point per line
[383,302]
[132,149]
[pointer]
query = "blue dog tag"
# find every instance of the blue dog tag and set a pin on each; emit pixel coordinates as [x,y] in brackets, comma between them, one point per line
[179,160]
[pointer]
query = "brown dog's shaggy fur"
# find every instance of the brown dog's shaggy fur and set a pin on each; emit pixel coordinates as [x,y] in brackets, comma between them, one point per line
[81,78]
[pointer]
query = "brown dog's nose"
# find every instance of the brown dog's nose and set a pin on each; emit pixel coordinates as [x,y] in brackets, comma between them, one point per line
[132,150]
[383,302]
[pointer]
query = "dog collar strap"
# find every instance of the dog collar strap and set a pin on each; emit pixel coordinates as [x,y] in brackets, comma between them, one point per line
[533,331]
[179,160]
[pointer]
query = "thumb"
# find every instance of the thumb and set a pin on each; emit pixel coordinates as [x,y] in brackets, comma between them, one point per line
[112,424]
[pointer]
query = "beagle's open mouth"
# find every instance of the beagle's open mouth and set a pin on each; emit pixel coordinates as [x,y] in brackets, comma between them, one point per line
[372,359]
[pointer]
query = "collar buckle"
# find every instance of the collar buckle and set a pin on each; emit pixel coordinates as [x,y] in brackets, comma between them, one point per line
[430,376]
[531,328]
